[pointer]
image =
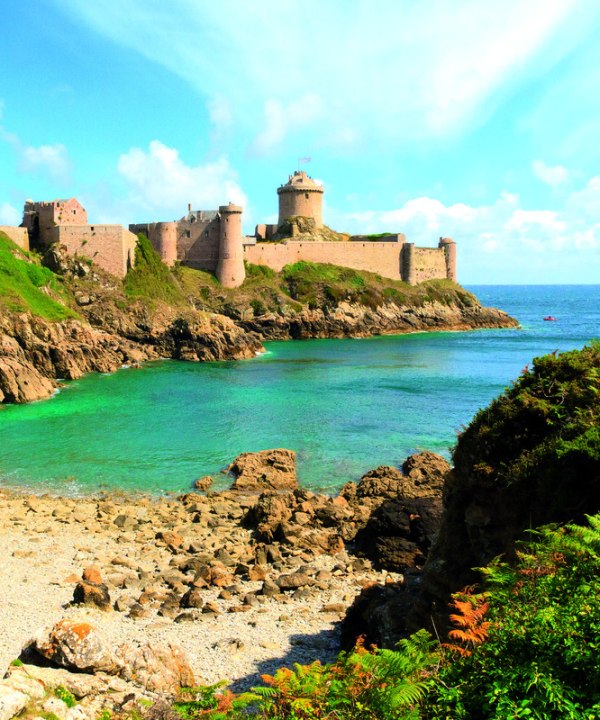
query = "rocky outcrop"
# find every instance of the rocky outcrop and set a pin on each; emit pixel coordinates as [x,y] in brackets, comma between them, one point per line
[391,517]
[35,353]
[264,470]
[353,320]
[73,659]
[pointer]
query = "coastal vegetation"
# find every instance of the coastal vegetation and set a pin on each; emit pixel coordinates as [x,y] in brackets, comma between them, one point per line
[27,286]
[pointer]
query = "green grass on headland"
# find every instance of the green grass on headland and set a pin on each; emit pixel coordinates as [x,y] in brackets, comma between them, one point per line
[312,285]
[150,278]
[27,286]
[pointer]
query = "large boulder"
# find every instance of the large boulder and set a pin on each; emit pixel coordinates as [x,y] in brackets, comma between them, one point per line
[161,669]
[76,646]
[264,470]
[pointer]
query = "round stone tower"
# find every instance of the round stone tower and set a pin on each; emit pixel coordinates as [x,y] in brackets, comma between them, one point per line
[301,196]
[230,266]
[449,247]
[166,242]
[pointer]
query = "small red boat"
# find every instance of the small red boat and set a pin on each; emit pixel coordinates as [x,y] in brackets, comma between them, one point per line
[550,318]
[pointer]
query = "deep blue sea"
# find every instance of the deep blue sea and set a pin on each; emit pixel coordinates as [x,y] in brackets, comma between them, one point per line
[345,406]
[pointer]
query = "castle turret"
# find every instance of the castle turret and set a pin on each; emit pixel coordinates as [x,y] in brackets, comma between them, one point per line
[407,263]
[301,196]
[449,247]
[165,241]
[230,266]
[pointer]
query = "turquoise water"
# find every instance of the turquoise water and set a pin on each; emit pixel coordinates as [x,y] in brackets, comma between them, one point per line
[345,406]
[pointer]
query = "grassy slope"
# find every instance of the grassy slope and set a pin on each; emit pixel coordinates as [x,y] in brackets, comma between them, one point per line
[150,278]
[313,285]
[26,286]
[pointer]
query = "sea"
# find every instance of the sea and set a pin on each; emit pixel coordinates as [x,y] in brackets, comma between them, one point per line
[345,406]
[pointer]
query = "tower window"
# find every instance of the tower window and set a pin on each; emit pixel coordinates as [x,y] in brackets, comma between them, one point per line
[306,195]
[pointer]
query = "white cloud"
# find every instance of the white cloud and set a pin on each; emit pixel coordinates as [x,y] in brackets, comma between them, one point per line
[160,184]
[49,159]
[399,70]
[220,116]
[501,241]
[9,215]
[281,119]
[52,159]
[552,175]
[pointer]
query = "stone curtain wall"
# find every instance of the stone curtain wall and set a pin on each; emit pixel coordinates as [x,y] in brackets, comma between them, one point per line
[429,264]
[18,235]
[201,249]
[380,258]
[110,246]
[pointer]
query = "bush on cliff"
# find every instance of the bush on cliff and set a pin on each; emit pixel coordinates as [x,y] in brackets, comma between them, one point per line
[27,286]
[150,278]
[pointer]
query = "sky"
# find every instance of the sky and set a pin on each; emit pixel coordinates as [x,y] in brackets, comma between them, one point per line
[474,120]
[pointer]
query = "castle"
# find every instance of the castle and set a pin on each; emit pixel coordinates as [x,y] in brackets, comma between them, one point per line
[213,240]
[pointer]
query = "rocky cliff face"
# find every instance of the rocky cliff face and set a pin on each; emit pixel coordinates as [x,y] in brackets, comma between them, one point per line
[35,353]
[353,320]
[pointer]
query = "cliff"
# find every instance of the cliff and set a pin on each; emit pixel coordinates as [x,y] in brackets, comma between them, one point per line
[529,459]
[63,317]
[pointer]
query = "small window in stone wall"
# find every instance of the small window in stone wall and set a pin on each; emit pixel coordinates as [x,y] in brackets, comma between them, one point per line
[188,234]
[306,195]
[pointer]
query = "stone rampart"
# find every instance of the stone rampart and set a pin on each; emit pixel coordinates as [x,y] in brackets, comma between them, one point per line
[428,264]
[18,235]
[109,246]
[198,244]
[381,258]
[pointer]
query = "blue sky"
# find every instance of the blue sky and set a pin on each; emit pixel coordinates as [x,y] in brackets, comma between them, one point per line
[470,119]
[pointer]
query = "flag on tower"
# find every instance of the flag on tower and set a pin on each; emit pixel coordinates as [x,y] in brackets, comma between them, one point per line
[304,159]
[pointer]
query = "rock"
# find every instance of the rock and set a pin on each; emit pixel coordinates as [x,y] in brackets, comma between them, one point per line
[77,646]
[294,580]
[92,591]
[270,588]
[427,473]
[192,599]
[269,512]
[160,669]
[203,483]
[170,538]
[264,470]
[400,532]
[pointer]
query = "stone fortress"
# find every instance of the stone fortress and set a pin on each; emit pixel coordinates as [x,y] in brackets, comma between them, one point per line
[213,241]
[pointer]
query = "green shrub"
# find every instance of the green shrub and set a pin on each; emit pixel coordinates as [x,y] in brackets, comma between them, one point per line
[541,658]
[150,278]
[65,695]
[258,307]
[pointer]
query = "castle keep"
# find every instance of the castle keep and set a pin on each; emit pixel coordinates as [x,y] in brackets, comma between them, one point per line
[212,240]
[66,222]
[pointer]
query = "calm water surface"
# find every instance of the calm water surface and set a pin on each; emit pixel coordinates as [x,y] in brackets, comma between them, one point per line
[345,406]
